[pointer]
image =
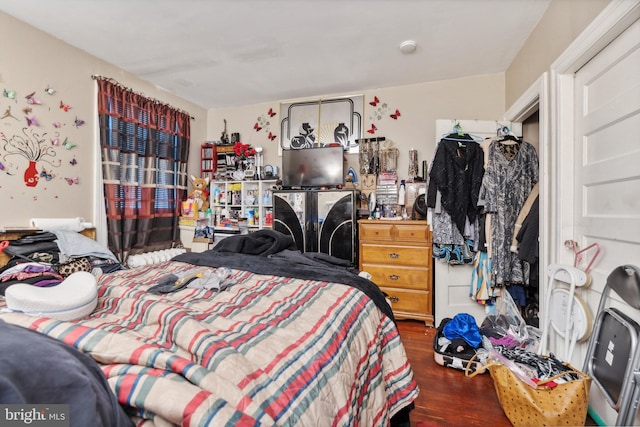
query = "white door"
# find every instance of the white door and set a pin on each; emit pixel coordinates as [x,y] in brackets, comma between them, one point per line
[607,149]
[606,168]
[453,282]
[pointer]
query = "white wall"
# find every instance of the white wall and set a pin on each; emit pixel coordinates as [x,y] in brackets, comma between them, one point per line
[420,105]
[32,61]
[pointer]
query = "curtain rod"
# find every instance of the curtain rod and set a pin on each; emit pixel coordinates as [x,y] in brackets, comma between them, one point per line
[114,81]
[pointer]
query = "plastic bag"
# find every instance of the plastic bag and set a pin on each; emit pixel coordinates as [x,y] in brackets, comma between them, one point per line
[505,320]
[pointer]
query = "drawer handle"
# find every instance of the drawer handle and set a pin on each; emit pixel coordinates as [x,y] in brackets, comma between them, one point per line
[394,255]
[394,299]
[394,277]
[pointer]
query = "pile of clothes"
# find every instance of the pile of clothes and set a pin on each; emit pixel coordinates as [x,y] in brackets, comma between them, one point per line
[46,258]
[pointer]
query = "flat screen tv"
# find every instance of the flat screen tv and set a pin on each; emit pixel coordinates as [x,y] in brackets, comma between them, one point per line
[313,167]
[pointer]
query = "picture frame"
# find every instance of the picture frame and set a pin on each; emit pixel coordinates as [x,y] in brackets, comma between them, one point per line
[322,122]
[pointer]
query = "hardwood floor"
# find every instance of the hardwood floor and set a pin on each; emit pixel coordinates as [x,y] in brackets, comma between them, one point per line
[447,397]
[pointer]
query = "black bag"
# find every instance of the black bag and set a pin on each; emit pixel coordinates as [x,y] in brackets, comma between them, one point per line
[42,236]
[38,247]
[26,249]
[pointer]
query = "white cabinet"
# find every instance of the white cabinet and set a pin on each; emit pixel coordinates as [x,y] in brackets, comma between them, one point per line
[251,200]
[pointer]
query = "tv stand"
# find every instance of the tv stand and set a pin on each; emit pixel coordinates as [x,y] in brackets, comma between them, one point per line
[318,220]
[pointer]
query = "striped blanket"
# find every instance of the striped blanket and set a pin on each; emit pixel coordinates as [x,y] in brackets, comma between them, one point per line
[269,350]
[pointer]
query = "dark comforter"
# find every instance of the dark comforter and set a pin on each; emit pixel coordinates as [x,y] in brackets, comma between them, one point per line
[37,369]
[271,252]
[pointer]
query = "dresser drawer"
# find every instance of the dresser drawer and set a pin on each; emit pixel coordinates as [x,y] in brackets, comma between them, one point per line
[409,303]
[399,277]
[373,253]
[390,231]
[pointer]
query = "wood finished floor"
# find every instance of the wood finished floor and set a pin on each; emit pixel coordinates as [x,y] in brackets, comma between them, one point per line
[447,397]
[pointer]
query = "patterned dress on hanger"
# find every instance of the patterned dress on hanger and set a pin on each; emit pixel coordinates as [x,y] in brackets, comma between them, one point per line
[511,173]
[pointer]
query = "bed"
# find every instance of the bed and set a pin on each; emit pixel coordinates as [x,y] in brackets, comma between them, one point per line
[294,340]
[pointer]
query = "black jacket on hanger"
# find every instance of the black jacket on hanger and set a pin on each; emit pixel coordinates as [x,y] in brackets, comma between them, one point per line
[457,170]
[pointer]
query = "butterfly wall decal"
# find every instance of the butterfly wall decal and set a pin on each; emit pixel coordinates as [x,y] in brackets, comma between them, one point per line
[27,110]
[78,122]
[68,144]
[11,94]
[32,121]
[46,175]
[271,136]
[57,124]
[257,127]
[375,101]
[271,113]
[65,107]
[373,129]
[395,115]
[73,161]
[4,169]
[72,181]
[49,90]
[55,141]
[31,100]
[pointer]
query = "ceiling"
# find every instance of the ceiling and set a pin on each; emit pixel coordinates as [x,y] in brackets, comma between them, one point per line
[226,53]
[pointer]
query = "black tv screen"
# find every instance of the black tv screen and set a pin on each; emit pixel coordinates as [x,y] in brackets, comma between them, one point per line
[313,167]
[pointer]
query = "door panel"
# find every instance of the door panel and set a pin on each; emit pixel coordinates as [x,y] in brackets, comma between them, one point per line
[289,216]
[606,189]
[335,223]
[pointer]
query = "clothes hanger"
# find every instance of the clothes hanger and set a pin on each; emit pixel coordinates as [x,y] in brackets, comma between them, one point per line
[460,136]
[505,135]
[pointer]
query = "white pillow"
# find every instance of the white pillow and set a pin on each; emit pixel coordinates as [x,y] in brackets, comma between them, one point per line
[75,297]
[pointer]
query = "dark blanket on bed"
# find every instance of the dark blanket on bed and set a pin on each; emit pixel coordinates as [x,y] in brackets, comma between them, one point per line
[274,253]
[37,369]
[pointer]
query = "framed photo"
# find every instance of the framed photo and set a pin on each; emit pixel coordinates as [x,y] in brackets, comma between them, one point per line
[322,122]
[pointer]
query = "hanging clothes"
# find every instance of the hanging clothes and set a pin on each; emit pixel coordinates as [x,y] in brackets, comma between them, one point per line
[456,173]
[525,240]
[454,184]
[511,173]
[481,288]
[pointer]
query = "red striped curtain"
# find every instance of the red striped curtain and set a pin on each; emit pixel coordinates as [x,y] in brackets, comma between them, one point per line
[145,149]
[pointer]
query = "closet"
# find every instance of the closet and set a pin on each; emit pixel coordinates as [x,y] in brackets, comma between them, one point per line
[453,277]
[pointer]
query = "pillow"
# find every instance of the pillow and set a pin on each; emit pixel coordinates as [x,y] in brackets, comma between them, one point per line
[75,297]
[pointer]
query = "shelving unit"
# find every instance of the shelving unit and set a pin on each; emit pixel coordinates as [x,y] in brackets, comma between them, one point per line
[224,160]
[250,199]
[208,160]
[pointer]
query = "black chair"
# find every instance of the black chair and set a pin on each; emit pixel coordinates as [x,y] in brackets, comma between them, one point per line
[613,357]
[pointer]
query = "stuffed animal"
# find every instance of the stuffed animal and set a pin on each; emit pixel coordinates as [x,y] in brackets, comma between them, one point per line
[200,192]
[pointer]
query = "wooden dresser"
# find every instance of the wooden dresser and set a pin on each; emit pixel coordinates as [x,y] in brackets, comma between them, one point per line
[398,256]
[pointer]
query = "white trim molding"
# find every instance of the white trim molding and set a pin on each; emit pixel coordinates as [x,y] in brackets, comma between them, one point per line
[536,97]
